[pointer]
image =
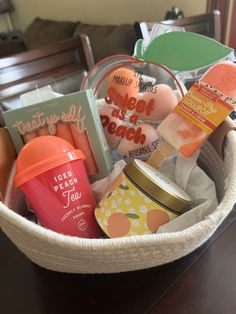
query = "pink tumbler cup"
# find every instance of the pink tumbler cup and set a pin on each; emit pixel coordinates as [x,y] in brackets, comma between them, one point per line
[52,175]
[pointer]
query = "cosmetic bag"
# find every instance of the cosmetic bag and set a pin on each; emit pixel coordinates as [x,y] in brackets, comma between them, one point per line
[57,252]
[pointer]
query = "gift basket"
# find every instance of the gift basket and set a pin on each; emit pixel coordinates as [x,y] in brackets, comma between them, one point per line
[57,252]
[132,172]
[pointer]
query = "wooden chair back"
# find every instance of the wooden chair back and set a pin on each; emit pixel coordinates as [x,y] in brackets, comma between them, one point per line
[18,73]
[207,24]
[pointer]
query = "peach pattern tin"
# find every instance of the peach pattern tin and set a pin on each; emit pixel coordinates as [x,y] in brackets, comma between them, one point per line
[139,201]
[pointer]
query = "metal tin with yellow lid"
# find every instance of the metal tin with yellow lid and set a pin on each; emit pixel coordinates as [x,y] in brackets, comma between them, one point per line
[139,201]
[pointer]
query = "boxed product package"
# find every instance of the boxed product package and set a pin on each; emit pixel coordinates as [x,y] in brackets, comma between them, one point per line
[73,117]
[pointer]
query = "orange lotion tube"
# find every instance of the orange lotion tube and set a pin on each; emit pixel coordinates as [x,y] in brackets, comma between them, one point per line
[81,141]
[29,136]
[63,131]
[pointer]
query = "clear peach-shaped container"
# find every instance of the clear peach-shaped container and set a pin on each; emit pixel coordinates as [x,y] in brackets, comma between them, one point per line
[133,97]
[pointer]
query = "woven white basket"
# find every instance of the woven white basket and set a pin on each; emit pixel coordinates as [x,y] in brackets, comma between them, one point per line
[76,255]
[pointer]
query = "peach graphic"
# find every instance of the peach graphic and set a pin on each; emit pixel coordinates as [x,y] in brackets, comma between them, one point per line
[156,218]
[118,225]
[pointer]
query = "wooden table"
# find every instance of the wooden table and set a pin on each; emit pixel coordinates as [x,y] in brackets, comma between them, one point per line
[202,282]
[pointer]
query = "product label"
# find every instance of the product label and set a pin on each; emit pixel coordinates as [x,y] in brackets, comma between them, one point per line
[63,201]
[71,189]
[127,211]
[70,193]
[127,117]
[142,152]
[205,106]
[65,183]
[42,119]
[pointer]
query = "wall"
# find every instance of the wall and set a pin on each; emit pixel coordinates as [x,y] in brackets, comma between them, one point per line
[3,24]
[100,11]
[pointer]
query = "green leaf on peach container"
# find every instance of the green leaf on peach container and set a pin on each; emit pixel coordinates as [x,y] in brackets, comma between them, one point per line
[185,51]
[109,194]
[132,216]
[123,187]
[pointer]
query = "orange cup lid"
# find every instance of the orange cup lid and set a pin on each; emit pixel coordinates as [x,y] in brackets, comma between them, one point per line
[42,154]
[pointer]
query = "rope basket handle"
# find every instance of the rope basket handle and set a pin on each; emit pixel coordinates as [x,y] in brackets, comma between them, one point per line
[217,138]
